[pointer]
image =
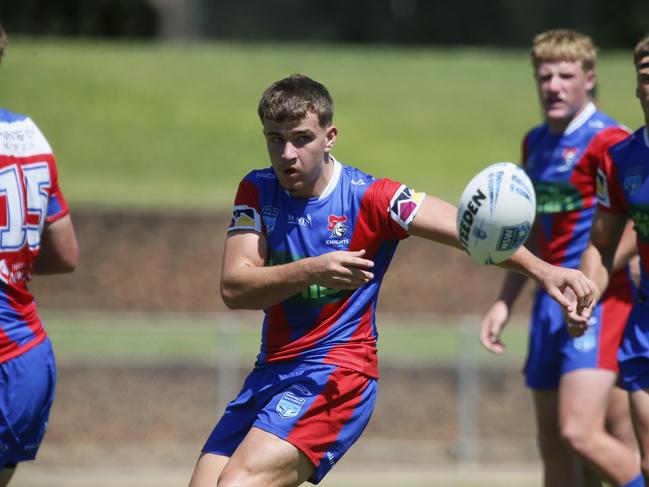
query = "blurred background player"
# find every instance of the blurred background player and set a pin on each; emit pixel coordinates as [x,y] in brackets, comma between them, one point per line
[623,194]
[573,380]
[309,244]
[36,237]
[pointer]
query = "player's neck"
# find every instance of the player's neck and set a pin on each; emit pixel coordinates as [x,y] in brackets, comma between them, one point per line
[560,125]
[324,177]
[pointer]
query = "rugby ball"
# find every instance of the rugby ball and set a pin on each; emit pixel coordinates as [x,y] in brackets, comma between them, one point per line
[496,213]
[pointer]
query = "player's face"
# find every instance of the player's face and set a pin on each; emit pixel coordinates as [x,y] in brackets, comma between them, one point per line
[564,90]
[299,153]
[642,90]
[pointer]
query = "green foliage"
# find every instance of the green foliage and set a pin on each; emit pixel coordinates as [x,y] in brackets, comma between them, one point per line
[153,124]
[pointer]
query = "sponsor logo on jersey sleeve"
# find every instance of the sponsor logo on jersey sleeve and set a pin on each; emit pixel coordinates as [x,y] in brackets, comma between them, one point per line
[245,218]
[269,216]
[404,206]
[601,188]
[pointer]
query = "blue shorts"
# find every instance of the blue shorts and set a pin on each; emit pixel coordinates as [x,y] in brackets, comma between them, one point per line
[552,352]
[27,385]
[634,351]
[320,409]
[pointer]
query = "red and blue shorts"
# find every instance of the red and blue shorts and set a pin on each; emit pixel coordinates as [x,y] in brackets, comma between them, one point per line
[320,409]
[27,385]
[552,352]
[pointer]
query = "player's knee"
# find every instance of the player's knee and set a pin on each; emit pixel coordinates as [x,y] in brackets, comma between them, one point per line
[236,477]
[578,436]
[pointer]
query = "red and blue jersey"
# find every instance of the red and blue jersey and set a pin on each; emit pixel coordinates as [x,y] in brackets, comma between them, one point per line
[356,211]
[623,188]
[563,169]
[29,197]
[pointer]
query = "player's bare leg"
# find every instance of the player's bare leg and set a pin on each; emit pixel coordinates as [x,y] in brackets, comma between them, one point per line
[261,460]
[583,402]
[5,475]
[207,470]
[618,419]
[620,426]
[640,413]
[560,464]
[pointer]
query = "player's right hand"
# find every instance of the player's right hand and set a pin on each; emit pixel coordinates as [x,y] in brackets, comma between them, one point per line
[341,269]
[492,326]
[576,321]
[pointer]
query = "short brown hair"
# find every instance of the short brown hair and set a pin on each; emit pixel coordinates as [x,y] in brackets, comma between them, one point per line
[3,42]
[564,45]
[292,98]
[641,50]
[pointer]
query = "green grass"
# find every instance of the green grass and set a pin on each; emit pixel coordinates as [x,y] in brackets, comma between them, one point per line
[163,125]
[145,337]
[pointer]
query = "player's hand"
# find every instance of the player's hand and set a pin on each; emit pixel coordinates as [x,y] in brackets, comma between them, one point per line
[576,323]
[342,269]
[492,326]
[558,279]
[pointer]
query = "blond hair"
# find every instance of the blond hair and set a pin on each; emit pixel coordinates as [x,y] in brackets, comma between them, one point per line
[564,45]
[641,50]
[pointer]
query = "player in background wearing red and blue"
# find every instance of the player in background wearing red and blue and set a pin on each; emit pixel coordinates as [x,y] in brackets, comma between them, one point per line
[572,380]
[36,237]
[309,243]
[623,195]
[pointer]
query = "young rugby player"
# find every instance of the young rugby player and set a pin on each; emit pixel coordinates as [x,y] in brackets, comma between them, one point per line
[309,243]
[572,380]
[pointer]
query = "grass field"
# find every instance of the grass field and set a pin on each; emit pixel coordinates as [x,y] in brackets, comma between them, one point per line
[162,125]
[168,337]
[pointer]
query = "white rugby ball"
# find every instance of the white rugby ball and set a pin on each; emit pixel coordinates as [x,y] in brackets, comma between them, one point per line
[496,213]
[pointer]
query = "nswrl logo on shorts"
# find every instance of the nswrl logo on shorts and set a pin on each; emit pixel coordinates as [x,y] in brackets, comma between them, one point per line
[289,405]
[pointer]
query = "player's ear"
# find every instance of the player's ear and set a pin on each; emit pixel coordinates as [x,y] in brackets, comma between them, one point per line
[591,80]
[330,137]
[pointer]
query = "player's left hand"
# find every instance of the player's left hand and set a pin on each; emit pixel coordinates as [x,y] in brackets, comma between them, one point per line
[558,279]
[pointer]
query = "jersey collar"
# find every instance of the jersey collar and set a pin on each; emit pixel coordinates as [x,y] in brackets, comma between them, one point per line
[333,182]
[645,132]
[581,119]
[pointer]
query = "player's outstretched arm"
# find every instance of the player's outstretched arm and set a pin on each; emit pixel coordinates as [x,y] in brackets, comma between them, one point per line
[247,283]
[435,221]
[59,251]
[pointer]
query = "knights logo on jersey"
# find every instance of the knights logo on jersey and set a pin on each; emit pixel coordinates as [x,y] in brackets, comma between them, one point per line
[404,206]
[632,179]
[337,225]
[245,218]
[569,158]
[269,216]
[601,189]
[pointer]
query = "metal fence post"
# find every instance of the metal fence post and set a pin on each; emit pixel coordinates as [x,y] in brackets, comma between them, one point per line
[227,361]
[467,393]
